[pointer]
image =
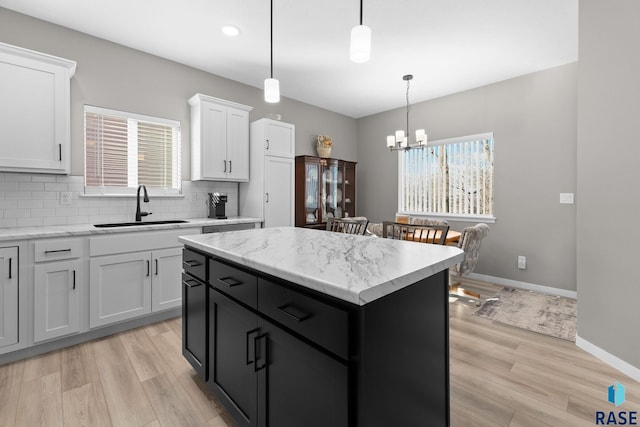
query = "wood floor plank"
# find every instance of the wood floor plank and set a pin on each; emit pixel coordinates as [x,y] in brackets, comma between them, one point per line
[78,366]
[43,365]
[170,403]
[40,402]
[142,355]
[85,406]
[11,378]
[123,392]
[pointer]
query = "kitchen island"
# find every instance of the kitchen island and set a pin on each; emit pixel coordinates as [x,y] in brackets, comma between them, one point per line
[293,326]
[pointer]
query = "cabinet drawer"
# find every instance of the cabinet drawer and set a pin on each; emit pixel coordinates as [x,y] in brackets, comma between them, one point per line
[194,264]
[320,322]
[236,283]
[57,249]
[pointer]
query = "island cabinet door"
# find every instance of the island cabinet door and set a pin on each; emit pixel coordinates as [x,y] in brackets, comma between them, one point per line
[232,376]
[298,385]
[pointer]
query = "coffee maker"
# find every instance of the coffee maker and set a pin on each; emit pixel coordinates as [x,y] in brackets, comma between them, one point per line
[217,203]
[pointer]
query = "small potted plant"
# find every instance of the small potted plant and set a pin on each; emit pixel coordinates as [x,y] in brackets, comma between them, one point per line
[324,145]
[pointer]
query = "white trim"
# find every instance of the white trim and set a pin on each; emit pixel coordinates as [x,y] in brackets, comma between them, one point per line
[127,115]
[525,285]
[489,219]
[457,139]
[608,358]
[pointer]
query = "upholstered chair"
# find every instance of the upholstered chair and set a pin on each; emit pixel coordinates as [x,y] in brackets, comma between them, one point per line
[469,242]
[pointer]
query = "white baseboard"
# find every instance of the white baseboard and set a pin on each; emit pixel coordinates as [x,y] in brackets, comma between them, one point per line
[524,285]
[608,358]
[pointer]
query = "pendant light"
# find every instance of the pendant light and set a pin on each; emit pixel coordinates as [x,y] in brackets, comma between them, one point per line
[271,85]
[360,50]
[400,140]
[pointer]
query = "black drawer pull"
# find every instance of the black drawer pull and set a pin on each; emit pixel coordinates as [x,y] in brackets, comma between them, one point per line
[191,263]
[57,250]
[230,281]
[294,313]
[192,283]
[248,342]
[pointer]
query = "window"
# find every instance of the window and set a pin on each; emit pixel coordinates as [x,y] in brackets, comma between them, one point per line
[452,177]
[124,150]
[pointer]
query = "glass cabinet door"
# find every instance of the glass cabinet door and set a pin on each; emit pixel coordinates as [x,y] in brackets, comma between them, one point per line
[311,192]
[349,190]
[330,206]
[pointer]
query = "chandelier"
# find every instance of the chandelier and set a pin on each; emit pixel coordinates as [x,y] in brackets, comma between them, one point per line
[400,141]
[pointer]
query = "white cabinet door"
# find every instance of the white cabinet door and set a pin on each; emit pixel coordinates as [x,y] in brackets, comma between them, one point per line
[56,299]
[34,111]
[213,146]
[279,188]
[279,138]
[120,287]
[8,296]
[166,282]
[238,144]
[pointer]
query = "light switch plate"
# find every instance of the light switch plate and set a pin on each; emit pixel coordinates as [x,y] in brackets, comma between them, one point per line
[566,198]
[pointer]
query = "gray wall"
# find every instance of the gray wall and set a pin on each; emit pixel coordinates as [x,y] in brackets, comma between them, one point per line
[608,176]
[112,76]
[533,119]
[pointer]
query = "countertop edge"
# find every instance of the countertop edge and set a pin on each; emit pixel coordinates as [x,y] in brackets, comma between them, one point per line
[39,232]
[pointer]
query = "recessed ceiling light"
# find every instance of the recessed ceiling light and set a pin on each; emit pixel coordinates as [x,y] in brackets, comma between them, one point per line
[230,31]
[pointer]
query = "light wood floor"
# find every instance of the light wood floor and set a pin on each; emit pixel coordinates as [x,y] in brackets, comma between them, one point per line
[500,376]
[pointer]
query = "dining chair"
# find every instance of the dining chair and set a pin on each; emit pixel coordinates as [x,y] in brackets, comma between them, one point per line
[427,221]
[435,234]
[348,225]
[469,242]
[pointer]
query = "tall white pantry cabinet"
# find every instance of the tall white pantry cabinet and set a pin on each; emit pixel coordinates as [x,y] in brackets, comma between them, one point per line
[270,192]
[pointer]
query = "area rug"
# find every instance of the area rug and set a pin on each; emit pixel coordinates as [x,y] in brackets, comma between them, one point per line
[545,314]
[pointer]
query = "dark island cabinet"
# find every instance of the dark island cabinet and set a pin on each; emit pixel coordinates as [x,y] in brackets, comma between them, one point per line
[282,355]
[265,376]
[194,311]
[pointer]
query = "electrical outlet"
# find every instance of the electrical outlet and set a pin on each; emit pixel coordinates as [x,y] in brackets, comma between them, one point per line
[65,198]
[522,262]
[566,198]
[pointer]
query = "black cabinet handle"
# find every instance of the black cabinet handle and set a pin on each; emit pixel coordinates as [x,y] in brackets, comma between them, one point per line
[74,279]
[267,147]
[57,250]
[60,152]
[259,356]
[192,283]
[229,281]
[249,341]
[229,166]
[10,262]
[294,313]
[191,263]
[156,260]
[148,267]
[225,166]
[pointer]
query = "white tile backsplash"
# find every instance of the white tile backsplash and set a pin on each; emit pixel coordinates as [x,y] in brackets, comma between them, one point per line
[32,200]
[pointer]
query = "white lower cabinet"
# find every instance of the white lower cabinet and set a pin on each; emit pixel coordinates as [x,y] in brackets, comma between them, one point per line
[8,296]
[129,285]
[56,301]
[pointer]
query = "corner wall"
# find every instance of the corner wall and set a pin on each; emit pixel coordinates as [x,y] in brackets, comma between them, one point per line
[533,119]
[608,176]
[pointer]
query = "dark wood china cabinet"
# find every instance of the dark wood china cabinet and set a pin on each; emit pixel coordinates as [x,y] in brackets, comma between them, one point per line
[325,188]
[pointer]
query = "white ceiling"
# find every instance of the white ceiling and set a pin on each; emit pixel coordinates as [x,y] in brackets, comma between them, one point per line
[448,45]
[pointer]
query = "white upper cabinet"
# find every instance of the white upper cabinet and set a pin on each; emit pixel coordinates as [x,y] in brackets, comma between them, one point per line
[279,138]
[34,111]
[219,139]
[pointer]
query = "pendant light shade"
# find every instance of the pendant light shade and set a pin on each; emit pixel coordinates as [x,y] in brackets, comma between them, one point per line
[360,43]
[271,90]
[271,85]
[360,48]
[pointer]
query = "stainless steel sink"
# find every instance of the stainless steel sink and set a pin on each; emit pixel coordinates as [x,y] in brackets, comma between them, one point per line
[132,224]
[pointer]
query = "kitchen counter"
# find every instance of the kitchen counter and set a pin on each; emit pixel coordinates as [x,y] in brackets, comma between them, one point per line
[353,268]
[25,233]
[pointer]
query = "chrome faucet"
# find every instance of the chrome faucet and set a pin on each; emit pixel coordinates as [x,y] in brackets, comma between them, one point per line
[139,213]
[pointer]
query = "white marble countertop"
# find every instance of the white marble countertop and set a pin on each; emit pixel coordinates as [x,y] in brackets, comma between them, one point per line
[27,233]
[357,269]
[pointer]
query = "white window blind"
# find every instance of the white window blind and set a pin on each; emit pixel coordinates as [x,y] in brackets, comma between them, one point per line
[448,177]
[124,150]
